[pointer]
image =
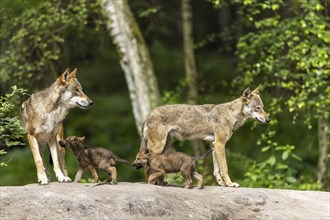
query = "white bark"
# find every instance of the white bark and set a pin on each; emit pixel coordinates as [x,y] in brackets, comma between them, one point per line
[134,58]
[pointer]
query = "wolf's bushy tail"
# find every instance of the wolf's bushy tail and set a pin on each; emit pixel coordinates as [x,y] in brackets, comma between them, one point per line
[203,156]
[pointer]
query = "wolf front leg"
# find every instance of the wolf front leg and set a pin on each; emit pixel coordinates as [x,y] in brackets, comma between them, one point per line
[219,147]
[57,169]
[42,177]
[92,170]
[79,174]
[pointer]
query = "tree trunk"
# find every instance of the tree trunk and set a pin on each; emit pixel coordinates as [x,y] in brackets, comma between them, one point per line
[134,58]
[322,170]
[189,55]
[190,63]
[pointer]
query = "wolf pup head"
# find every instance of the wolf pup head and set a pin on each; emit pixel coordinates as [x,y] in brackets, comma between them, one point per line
[71,142]
[142,158]
[72,94]
[253,105]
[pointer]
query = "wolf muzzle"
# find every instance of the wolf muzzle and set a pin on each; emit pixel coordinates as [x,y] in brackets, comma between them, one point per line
[62,143]
[136,165]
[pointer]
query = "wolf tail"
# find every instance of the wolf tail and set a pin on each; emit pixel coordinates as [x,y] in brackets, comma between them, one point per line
[203,156]
[122,160]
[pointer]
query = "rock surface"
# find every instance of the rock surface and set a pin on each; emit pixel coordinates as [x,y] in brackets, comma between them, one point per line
[142,201]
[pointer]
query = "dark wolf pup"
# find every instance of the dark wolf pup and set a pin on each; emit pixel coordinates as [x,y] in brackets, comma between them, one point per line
[92,158]
[214,123]
[42,116]
[160,164]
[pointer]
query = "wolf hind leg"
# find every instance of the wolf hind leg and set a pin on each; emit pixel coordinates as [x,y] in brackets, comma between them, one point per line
[42,153]
[199,178]
[222,164]
[57,169]
[216,170]
[61,151]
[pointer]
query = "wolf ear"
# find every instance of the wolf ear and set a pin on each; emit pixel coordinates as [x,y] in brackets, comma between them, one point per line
[145,150]
[247,93]
[81,139]
[73,73]
[256,91]
[65,75]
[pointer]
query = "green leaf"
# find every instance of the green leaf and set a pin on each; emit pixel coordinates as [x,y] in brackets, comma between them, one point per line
[282,167]
[296,157]
[275,7]
[272,161]
[291,179]
[318,7]
[264,149]
[285,155]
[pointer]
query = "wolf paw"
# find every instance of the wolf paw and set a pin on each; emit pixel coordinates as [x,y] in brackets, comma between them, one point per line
[232,184]
[67,179]
[188,186]
[220,182]
[113,182]
[62,178]
[43,180]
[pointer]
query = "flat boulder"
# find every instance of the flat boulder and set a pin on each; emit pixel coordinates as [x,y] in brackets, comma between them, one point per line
[142,201]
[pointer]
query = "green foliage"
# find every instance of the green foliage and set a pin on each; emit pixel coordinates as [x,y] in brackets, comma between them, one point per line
[10,130]
[288,52]
[216,3]
[110,122]
[32,36]
[277,170]
[149,11]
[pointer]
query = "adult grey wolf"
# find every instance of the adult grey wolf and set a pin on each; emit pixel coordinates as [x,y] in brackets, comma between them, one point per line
[215,123]
[91,158]
[42,116]
[160,164]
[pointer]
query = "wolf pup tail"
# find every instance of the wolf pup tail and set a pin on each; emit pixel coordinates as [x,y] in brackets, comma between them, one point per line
[203,156]
[122,160]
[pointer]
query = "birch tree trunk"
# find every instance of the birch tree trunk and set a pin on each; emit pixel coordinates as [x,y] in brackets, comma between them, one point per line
[190,63]
[134,58]
[322,169]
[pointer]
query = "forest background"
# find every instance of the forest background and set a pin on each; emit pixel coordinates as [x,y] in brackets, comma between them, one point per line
[195,51]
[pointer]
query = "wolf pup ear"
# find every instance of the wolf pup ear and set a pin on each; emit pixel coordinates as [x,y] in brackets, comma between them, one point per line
[73,73]
[82,138]
[247,93]
[65,76]
[256,91]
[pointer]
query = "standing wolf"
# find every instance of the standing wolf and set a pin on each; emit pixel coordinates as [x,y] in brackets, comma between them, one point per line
[42,116]
[215,123]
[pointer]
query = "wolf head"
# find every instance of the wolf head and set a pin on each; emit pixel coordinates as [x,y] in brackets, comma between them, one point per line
[71,142]
[142,158]
[72,94]
[253,106]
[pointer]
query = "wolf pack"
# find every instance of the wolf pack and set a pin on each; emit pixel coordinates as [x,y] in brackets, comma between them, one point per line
[43,113]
